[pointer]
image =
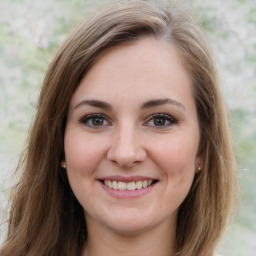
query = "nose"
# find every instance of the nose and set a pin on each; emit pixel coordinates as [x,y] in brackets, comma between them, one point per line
[126,148]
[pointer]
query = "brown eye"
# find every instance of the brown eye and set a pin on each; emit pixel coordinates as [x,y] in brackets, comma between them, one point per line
[161,121]
[95,121]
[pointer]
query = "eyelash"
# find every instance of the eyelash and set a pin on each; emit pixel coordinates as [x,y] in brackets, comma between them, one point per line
[165,117]
[86,120]
[89,118]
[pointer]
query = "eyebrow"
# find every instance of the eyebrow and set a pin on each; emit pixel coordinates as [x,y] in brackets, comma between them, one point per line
[148,104]
[95,103]
[159,102]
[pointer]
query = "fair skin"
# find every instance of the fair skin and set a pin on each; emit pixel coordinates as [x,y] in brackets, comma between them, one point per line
[132,121]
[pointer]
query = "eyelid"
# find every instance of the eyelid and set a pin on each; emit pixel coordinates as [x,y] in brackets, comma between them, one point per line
[84,119]
[167,117]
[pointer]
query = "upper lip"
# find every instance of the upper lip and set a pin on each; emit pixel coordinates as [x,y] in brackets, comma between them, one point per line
[126,179]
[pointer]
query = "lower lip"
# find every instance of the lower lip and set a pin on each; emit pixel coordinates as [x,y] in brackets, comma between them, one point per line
[128,194]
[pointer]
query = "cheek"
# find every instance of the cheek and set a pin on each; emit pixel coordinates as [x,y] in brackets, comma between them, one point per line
[176,157]
[82,156]
[82,153]
[177,163]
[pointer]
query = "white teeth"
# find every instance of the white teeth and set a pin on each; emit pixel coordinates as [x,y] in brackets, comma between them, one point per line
[131,186]
[144,183]
[139,184]
[115,186]
[120,185]
[109,184]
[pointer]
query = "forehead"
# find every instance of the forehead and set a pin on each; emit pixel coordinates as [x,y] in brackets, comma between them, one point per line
[145,67]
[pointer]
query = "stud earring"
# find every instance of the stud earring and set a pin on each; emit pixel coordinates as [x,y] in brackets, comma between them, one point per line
[63,164]
[199,167]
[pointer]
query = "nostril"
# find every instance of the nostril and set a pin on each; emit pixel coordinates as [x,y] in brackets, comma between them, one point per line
[127,151]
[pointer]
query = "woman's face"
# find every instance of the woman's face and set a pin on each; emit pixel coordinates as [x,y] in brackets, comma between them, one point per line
[132,138]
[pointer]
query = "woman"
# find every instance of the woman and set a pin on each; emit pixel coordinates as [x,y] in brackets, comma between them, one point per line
[130,152]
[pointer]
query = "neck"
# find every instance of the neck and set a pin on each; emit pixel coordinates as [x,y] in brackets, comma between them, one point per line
[158,241]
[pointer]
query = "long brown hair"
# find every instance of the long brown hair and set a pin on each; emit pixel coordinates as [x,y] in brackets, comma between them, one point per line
[45,217]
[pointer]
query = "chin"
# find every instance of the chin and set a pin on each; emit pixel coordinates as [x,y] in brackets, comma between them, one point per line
[129,223]
[129,228]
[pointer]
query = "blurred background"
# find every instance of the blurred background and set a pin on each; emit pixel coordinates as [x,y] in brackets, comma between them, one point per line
[31,32]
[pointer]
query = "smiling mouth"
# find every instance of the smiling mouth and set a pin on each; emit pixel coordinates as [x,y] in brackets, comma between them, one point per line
[130,186]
